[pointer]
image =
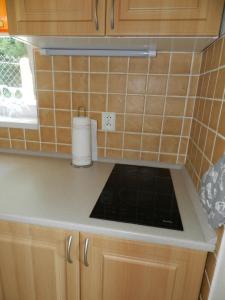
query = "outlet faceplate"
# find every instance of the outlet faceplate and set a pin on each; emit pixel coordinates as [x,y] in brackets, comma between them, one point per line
[108,121]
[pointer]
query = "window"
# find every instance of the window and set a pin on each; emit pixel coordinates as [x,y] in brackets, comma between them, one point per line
[18,106]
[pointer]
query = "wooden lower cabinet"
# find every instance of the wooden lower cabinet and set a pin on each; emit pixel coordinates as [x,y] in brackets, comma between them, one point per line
[33,263]
[126,270]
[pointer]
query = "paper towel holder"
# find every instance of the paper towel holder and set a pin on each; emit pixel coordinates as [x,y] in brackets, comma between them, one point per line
[80,109]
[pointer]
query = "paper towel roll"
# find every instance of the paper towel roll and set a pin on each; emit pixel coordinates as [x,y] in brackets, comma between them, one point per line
[81,141]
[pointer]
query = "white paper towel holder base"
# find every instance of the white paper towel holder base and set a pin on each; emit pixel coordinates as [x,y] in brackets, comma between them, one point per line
[85,166]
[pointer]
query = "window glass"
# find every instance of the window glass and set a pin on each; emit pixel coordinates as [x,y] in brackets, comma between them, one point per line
[18,106]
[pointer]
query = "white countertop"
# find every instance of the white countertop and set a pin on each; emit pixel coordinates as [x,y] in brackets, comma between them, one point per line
[50,192]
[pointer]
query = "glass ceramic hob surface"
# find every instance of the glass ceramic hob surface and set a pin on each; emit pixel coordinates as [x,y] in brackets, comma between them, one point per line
[139,195]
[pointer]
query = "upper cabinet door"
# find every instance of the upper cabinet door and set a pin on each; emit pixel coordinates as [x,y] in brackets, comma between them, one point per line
[165,17]
[3,18]
[56,17]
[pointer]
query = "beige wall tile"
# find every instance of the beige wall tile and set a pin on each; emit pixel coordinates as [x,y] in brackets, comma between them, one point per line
[80,82]
[131,155]
[48,147]
[45,99]
[16,133]
[47,134]
[120,122]
[159,64]
[61,63]
[132,141]
[110,153]
[79,100]
[220,84]
[101,137]
[42,62]
[172,126]
[149,156]
[177,85]
[98,102]
[150,143]
[67,149]
[133,123]
[44,80]
[167,158]
[135,104]
[222,120]
[181,63]
[136,84]
[169,144]
[157,84]
[116,103]
[118,64]
[63,135]
[4,133]
[33,146]
[98,83]
[18,145]
[63,118]
[62,81]
[152,124]
[98,64]
[63,100]
[114,140]
[174,106]
[80,63]
[32,135]
[46,117]
[155,105]
[216,107]
[117,83]
[219,149]
[138,65]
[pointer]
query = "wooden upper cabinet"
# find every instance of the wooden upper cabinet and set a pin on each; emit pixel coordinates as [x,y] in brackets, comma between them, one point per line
[126,270]
[3,17]
[33,264]
[165,17]
[56,17]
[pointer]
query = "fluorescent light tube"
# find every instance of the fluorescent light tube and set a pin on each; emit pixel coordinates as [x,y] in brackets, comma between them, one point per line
[96,52]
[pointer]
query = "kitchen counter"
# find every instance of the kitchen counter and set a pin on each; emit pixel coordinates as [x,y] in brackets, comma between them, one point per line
[50,192]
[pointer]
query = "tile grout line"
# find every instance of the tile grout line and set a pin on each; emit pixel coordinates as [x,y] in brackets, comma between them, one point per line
[54,115]
[164,105]
[185,108]
[125,106]
[144,109]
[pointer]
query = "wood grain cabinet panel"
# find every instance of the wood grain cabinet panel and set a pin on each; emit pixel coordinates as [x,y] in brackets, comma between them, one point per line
[33,263]
[3,18]
[56,17]
[165,17]
[126,270]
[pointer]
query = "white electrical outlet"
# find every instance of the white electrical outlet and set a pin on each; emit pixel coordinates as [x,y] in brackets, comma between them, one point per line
[108,121]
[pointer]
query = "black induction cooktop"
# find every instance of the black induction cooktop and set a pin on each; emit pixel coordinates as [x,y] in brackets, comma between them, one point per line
[139,195]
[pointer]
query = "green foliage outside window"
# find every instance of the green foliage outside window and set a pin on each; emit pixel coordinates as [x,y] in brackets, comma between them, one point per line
[12,48]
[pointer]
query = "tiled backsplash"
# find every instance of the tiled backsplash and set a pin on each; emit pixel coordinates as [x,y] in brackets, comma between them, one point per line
[153,100]
[207,139]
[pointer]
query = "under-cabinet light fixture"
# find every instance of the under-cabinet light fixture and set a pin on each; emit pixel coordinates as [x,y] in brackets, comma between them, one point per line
[96,52]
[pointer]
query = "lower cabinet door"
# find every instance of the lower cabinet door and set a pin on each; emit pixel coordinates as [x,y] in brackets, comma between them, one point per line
[34,263]
[114,269]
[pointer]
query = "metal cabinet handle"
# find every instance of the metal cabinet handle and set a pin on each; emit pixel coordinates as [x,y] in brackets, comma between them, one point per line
[69,244]
[86,244]
[112,15]
[96,15]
